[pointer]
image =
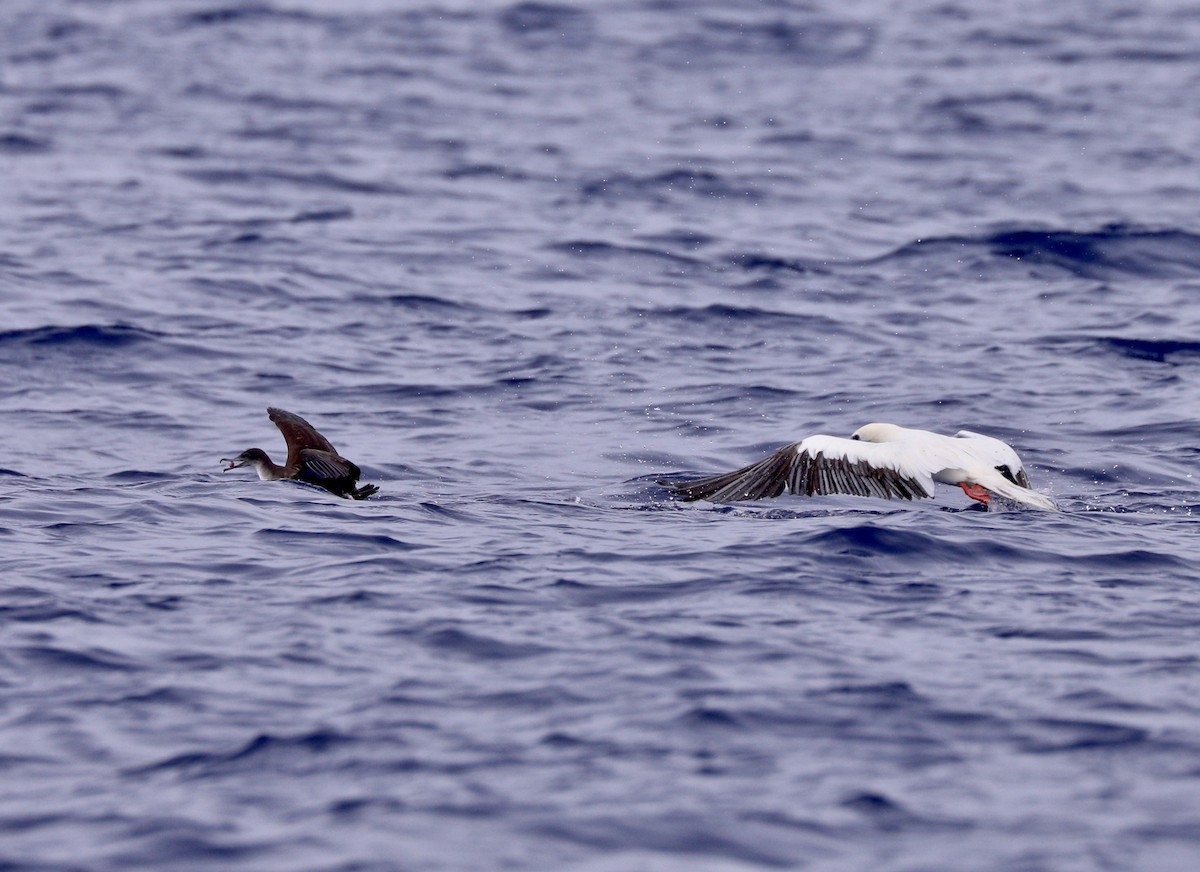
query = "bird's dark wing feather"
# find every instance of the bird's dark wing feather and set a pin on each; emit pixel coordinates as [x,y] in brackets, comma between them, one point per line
[766,478]
[299,434]
[320,467]
[801,472]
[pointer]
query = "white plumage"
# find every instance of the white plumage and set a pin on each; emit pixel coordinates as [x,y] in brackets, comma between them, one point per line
[879,460]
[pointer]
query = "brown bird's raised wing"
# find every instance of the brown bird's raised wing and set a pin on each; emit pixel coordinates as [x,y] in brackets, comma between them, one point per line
[299,435]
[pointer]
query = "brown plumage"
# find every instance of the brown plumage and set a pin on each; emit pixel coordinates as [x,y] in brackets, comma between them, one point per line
[310,458]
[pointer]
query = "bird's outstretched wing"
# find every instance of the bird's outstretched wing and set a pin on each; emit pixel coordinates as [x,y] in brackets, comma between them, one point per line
[299,435]
[816,465]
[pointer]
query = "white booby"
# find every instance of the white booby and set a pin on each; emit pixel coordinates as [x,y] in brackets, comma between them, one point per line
[878,460]
[310,458]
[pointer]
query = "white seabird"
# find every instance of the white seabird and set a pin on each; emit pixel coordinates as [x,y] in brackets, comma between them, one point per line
[879,460]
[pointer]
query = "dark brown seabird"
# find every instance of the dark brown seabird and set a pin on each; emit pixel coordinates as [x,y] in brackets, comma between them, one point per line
[310,459]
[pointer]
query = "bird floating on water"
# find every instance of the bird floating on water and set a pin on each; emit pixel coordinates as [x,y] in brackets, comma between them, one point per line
[310,458]
[879,460]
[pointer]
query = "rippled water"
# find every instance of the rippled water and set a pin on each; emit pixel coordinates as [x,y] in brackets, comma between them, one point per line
[518,261]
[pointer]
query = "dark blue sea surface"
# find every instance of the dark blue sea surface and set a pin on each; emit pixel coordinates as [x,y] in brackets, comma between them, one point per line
[519,261]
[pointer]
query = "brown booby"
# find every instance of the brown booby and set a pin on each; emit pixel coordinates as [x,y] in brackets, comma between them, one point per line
[310,458]
[878,460]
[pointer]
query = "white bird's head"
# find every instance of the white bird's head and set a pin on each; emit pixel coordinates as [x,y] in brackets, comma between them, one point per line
[999,454]
[878,433]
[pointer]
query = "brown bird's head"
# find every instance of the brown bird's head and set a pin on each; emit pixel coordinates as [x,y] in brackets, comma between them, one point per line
[251,456]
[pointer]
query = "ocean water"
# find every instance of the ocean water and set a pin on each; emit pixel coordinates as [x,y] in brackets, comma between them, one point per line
[519,261]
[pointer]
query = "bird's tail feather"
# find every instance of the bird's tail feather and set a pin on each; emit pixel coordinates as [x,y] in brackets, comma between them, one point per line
[363,492]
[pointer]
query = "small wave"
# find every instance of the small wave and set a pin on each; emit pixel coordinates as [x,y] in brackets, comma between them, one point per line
[322,216]
[324,181]
[51,657]
[350,543]
[237,14]
[141,476]
[709,716]
[808,41]
[598,249]
[1049,735]
[103,90]
[870,540]
[452,640]
[608,594]
[540,26]
[1009,113]
[673,835]
[242,290]
[1050,634]
[886,695]
[1156,350]
[1170,351]
[18,143]
[689,239]
[1113,252]
[724,315]
[756,262]
[423,302]
[485,171]
[701,183]
[46,612]
[264,750]
[84,335]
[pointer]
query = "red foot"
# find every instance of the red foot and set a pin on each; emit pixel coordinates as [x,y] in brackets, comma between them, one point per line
[975,492]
